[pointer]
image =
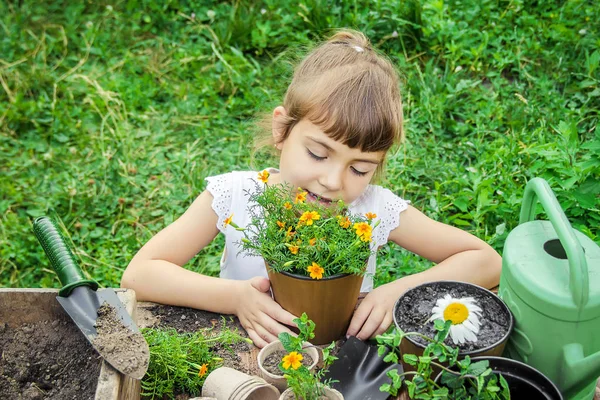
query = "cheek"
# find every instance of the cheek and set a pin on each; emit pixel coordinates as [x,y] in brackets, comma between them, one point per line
[292,170]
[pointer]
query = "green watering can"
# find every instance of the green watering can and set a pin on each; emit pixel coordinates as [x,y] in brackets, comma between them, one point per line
[551,282]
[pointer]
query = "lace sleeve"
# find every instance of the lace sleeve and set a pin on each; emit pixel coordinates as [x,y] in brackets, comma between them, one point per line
[221,188]
[390,208]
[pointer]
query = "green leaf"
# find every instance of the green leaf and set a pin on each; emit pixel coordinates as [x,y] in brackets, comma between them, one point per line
[478,368]
[410,359]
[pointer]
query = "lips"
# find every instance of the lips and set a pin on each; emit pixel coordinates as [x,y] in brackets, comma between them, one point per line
[315,197]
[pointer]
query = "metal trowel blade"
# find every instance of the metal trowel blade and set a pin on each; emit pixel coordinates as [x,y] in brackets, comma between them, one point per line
[82,306]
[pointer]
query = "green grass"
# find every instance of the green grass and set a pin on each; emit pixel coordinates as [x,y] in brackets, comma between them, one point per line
[112,114]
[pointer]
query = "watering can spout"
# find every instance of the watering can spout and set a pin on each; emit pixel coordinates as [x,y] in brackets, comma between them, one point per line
[577,368]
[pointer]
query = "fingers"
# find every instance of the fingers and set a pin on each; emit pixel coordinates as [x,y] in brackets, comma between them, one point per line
[376,324]
[256,339]
[359,318]
[283,316]
[261,284]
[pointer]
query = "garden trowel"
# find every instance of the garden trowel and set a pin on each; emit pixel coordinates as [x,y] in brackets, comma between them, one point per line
[359,371]
[81,301]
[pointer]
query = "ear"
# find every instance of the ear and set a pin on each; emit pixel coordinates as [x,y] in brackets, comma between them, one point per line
[279,119]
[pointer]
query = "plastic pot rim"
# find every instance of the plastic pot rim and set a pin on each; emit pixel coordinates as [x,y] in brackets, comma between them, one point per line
[520,364]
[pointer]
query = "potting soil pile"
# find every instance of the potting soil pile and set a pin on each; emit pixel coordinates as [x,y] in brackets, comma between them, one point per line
[124,349]
[47,360]
[416,308]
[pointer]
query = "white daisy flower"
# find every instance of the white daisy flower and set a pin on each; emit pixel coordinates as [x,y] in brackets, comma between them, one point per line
[464,314]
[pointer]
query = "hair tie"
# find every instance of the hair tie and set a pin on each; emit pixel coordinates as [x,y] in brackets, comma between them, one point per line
[355,47]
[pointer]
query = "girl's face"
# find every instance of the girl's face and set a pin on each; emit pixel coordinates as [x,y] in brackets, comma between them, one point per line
[327,169]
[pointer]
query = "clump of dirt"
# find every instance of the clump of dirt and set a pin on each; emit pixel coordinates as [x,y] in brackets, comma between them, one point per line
[271,363]
[415,307]
[47,360]
[121,347]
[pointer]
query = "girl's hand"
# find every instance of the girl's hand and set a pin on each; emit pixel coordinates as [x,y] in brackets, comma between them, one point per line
[259,314]
[374,315]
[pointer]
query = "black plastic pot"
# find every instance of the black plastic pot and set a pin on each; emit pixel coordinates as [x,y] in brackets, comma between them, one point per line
[524,381]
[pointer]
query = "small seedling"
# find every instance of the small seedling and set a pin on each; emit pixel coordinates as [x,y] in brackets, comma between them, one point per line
[460,379]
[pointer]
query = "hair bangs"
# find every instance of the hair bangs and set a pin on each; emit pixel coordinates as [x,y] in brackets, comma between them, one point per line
[352,111]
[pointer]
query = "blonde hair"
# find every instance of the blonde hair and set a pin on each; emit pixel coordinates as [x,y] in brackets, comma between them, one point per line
[349,90]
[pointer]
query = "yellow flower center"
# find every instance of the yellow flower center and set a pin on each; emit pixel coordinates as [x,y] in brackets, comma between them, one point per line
[456,312]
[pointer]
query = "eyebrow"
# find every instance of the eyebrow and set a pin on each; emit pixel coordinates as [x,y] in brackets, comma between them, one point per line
[329,148]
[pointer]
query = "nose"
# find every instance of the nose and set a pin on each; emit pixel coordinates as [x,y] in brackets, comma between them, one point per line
[331,178]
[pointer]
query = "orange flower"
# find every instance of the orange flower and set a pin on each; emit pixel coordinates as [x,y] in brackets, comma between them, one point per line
[344,222]
[264,176]
[287,205]
[370,215]
[294,249]
[203,370]
[293,360]
[312,241]
[227,220]
[300,197]
[309,216]
[315,270]
[281,224]
[289,232]
[364,231]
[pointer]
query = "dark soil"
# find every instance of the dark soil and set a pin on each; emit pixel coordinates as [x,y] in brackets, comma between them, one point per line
[124,349]
[47,360]
[415,308]
[271,363]
[185,319]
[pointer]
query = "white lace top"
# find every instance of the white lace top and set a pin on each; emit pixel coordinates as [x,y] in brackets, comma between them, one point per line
[230,197]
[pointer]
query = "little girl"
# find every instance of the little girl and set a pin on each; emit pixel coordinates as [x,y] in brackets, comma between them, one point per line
[340,116]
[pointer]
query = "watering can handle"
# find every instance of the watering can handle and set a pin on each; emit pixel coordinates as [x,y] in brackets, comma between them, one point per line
[538,189]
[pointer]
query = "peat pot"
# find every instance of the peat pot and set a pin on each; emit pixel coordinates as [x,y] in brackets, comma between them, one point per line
[524,381]
[415,306]
[278,380]
[329,394]
[228,383]
[46,355]
[328,302]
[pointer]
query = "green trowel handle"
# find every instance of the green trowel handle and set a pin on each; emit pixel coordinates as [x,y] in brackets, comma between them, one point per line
[61,258]
[578,271]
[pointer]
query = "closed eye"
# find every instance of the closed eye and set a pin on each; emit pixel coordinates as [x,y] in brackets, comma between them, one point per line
[357,172]
[316,157]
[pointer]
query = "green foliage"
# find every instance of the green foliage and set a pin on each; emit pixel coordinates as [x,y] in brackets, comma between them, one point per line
[113,113]
[460,379]
[282,232]
[180,362]
[305,384]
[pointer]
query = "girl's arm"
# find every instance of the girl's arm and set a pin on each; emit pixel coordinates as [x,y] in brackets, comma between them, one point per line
[156,274]
[459,255]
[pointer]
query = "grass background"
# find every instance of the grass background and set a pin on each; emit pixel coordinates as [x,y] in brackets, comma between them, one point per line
[113,112]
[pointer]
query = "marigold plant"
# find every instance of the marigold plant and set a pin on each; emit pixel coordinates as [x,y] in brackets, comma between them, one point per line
[304,384]
[309,238]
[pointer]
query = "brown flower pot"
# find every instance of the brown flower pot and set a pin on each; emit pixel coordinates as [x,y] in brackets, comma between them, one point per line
[410,346]
[328,302]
